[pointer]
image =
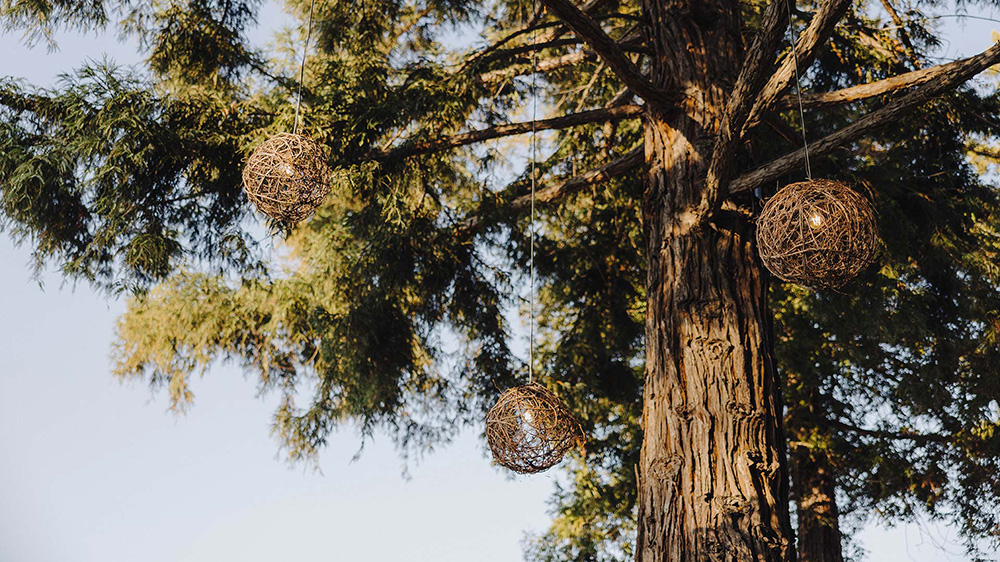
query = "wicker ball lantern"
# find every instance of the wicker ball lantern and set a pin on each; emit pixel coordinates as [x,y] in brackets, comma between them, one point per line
[530,430]
[817,233]
[287,177]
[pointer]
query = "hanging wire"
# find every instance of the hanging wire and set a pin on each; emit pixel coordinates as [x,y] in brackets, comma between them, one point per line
[798,92]
[531,222]
[302,68]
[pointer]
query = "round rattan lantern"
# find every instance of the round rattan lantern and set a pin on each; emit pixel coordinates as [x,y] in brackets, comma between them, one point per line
[287,177]
[817,233]
[530,430]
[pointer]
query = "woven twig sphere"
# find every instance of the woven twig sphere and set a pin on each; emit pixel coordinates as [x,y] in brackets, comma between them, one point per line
[817,233]
[287,177]
[530,430]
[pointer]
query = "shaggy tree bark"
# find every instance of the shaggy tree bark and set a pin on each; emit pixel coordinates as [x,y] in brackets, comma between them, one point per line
[713,480]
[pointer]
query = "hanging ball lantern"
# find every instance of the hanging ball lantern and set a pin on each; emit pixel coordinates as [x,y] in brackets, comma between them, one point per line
[817,233]
[287,177]
[530,430]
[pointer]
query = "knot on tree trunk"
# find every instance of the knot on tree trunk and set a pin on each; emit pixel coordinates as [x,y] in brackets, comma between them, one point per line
[717,349]
[665,468]
[732,505]
[743,410]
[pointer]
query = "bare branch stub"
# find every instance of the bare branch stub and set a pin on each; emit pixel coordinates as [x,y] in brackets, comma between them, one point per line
[818,233]
[287,177]
[529,429]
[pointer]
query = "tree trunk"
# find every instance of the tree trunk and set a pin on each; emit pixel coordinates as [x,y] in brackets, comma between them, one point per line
[713,480]
[815,496]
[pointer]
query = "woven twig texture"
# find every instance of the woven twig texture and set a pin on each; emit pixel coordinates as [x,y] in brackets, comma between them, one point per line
[530,430]
[287,177]
[817,233]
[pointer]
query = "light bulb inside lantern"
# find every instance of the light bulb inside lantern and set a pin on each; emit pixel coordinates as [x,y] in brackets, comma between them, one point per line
[816,220]
[288,170]
[528,418]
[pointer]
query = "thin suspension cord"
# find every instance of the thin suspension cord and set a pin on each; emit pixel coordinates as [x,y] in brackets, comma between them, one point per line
[531,223]
[798,93]
[302,69]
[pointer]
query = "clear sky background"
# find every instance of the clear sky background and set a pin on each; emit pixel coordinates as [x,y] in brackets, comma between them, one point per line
[95,470]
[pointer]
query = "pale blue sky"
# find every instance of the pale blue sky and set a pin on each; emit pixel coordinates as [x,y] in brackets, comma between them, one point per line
[93,470]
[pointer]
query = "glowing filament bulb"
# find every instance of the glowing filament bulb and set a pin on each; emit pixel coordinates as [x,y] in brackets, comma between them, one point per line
[288,170]
[816,220]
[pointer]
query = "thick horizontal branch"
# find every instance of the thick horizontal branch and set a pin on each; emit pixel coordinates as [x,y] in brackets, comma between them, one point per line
[952,77]
[558,190]
[815,35]
[610,52]
[865,91]
[472,137]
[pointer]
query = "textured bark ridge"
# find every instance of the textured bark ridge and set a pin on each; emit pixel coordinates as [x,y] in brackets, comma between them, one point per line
[713,476]
[815,491]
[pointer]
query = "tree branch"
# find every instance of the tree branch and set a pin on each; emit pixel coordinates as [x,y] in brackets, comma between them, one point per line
[472,137]
[784,130]
[904,435]
[558,190]
[610,52]
[950,78]
[872,89]
[901,33]
[479,56]
[627,45]
[544,65]
[560,28]
[555,30]
[501,54]
[756,66]
[819,31]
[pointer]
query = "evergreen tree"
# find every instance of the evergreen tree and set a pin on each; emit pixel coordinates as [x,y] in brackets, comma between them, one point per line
[703,384]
